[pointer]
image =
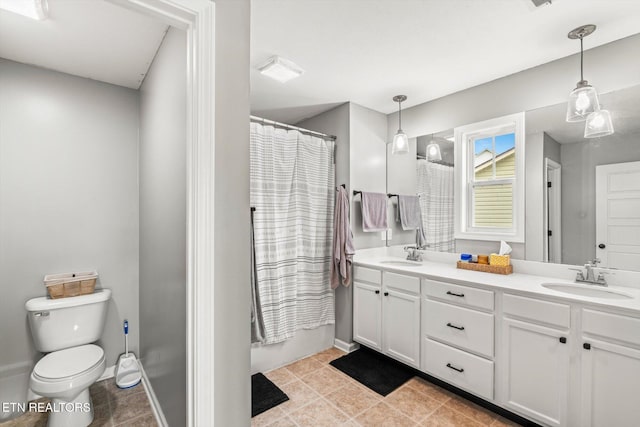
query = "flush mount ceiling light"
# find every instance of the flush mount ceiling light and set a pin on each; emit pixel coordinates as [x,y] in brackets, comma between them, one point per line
[583,100]
[281,69]
[598,124]
[400,143]
[34,9]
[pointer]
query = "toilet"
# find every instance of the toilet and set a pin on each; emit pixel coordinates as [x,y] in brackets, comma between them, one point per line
[65,329]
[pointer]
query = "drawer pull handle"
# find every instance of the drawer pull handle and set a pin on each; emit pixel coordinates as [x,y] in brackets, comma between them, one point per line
[454,294]
[386,294]
[377,291]
[563,340]
[586,346]
[451,325]
[450,366]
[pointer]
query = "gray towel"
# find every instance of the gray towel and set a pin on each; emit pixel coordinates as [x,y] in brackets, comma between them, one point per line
[343,249]
[409,212]
[374,211]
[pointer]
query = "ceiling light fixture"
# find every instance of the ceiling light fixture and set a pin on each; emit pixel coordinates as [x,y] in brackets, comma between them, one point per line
[583,100]
[34,9]
[281,69]
[400,143]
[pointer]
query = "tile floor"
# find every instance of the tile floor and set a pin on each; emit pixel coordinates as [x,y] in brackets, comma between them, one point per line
[111,406]
[320,395]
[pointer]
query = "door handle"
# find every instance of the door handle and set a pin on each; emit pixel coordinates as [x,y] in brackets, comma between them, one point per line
[602,246]
[386,294]
[454,294]
[451,325]
[450,366]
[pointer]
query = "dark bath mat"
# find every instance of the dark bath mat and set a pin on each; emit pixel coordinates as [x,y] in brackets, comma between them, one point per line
[264,394]
[374,370]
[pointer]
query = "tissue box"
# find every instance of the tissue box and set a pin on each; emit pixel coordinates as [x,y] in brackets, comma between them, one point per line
[500,260]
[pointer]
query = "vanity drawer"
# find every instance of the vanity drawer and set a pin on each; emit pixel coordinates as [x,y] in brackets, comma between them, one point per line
[537,310]
[468,329]
[401,282]
[459,368]
[364,274]
[608,325]
[472,297]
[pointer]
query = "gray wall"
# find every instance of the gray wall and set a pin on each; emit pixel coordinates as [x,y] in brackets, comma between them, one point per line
[232,338]
[579,161]
[68,196]
[337,122]
[368,159]
[610,68]
[163,217]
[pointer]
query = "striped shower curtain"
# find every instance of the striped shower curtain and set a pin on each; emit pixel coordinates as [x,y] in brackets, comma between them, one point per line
[435,191]
[292,189]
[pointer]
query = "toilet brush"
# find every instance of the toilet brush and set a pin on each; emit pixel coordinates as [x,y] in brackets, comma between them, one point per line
[127,371]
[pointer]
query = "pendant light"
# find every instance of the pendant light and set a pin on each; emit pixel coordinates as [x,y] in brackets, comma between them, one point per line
[583,100]
[400,143]
[598,124]
[433,151]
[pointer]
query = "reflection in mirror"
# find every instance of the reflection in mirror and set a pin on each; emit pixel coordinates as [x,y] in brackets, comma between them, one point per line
[591,208]
[435,187]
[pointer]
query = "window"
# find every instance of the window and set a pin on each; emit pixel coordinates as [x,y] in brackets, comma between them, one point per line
[489,202]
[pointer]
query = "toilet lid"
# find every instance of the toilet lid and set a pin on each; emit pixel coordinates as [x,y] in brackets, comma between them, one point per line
[69,362]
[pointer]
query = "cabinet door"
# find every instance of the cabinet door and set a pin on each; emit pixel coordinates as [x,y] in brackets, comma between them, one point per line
[401,327]
[367,315]
[535,376]
[610,381]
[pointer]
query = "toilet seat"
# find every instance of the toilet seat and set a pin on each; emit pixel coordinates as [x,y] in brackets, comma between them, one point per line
[68,363]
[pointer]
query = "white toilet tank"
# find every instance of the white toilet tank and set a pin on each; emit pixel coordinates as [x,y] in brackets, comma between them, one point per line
[67,322]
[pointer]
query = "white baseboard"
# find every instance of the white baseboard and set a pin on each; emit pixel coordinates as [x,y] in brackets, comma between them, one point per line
[345,346]
[155,405]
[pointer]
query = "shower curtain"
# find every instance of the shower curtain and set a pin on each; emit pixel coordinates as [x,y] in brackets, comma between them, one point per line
[435,191]
[292,189]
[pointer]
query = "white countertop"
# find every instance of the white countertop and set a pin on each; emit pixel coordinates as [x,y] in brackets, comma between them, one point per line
[531,284]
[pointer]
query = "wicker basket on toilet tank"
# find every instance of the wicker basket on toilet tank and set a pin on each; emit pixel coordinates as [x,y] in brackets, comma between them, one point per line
[70,284]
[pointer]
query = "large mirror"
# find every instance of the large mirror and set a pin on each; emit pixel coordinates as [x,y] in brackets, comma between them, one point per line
[582,194]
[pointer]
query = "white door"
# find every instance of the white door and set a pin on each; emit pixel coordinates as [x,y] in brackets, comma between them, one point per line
[367,315]
[618,215]
[553,212]
[401,328]
[610,381]
[536,364]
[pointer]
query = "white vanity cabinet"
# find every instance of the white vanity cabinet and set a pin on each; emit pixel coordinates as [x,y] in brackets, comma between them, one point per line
[458,335]
[610,356]
[535,358]
[386,313]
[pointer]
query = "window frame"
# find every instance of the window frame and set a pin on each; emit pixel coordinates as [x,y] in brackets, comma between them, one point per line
[464,179]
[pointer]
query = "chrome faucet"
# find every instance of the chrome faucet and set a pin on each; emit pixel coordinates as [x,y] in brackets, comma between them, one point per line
[413,253]
[588,276]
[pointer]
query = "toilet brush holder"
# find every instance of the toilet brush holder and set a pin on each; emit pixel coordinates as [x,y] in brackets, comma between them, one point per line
[128,373]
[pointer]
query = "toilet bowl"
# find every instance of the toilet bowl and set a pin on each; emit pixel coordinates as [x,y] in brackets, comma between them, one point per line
[64,329]
[65,376]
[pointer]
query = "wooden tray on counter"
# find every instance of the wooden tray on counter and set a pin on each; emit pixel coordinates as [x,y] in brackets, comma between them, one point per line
[486,268]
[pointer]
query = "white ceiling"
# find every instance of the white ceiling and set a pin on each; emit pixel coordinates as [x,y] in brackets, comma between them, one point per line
[367,51]
[88,38]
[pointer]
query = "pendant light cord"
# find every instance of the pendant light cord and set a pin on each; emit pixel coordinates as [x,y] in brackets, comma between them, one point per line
[581,60]
[399,116]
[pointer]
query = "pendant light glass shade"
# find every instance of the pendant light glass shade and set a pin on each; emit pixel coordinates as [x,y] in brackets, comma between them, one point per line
[583,100]
[598,124]
[400,143]
[433,152]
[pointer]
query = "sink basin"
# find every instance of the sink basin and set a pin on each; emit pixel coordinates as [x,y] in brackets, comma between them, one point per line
[587,291]
[404,263]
